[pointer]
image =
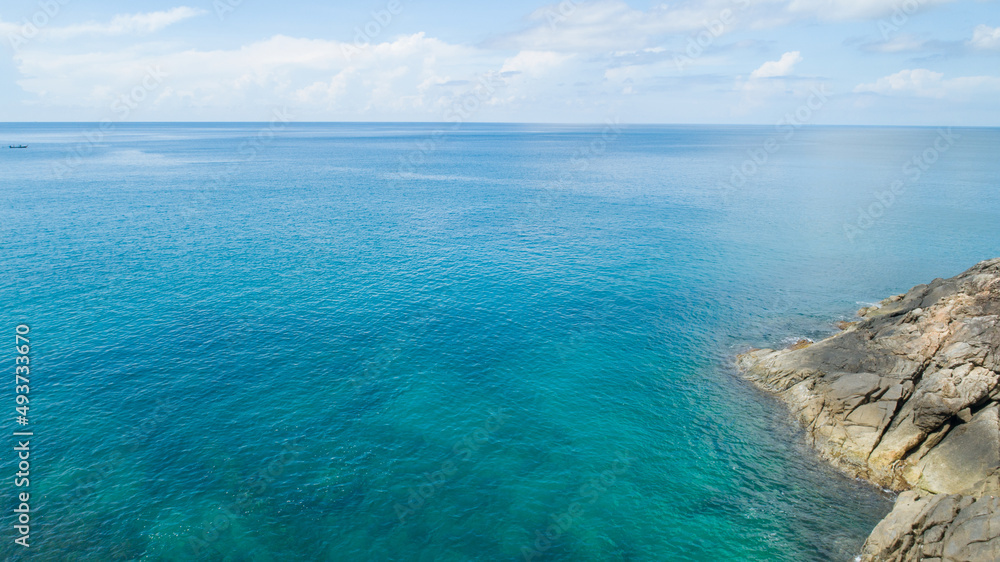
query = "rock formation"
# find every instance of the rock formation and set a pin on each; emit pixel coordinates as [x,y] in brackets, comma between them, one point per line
[909,398]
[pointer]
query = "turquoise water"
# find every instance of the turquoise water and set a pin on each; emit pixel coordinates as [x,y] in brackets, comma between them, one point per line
[376,342]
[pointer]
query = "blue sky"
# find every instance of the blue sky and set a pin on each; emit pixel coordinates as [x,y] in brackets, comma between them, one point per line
[876,62]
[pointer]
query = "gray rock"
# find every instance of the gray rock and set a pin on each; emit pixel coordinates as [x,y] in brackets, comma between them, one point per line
[907,398]
[967,455]
[950,527]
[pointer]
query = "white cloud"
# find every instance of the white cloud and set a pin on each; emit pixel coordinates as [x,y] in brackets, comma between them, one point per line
[838,10]
[611,25]
[781,67]
[571,65]
[921,82]
[985,37]
[769,82]
[123,24]
[411,74]
[901,43]
[141,23]
[534,63]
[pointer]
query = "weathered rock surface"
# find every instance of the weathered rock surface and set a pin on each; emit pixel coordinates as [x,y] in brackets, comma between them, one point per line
[908,399]
[953,527]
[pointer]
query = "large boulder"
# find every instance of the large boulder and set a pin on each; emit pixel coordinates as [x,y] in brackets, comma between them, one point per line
[962,527]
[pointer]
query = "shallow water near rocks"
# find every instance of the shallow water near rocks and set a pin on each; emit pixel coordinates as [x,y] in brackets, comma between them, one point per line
[296,347]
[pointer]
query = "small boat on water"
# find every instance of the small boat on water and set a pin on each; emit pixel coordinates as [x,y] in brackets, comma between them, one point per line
[18,146]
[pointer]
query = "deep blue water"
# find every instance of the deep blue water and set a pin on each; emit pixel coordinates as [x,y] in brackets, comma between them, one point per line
[376,342]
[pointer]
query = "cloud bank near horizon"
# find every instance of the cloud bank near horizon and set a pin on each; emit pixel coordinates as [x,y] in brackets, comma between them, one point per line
[711,61]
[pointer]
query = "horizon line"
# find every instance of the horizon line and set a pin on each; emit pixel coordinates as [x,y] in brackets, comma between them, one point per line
[456,126]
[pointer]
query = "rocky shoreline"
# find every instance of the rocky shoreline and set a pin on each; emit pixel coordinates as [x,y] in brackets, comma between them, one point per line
[908,398]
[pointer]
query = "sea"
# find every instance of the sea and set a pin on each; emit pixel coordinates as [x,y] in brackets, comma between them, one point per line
[449,342]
